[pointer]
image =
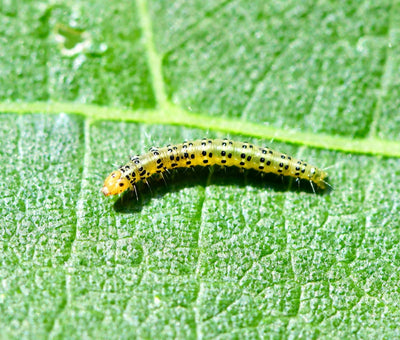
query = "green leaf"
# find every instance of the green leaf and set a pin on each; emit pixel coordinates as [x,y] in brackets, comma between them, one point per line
[211,254]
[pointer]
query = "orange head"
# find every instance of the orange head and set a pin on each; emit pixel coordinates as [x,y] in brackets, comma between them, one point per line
[114,184]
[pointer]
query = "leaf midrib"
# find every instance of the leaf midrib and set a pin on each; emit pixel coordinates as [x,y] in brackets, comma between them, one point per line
[173,115]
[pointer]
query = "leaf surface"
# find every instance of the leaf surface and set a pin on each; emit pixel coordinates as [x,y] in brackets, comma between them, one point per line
[211,254]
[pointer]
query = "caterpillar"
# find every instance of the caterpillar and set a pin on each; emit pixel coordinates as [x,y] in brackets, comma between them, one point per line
[206,152]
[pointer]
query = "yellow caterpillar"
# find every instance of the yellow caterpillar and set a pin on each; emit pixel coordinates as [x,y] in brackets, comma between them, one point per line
[206,152]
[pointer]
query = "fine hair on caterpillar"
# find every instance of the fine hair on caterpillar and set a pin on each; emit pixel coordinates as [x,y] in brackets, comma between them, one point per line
[207,152]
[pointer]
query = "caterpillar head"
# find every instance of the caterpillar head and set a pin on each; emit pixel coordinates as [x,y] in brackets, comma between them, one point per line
[115,184]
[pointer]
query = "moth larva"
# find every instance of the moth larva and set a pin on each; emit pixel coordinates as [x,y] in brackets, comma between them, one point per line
[208,152]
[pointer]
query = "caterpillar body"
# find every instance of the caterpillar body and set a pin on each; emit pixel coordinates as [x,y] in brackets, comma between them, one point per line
[206,152]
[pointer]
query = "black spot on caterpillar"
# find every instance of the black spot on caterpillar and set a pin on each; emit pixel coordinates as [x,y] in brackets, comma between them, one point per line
[206,152]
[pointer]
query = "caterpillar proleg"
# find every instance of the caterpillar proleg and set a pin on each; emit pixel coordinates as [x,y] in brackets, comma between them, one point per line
[206,152]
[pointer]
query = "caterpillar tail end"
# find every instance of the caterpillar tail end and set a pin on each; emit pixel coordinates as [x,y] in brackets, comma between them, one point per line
[322,180]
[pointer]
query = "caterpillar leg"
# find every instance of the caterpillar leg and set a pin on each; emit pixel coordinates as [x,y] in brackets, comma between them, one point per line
[298,183]
[312,186]
[148,185]
[136,193]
